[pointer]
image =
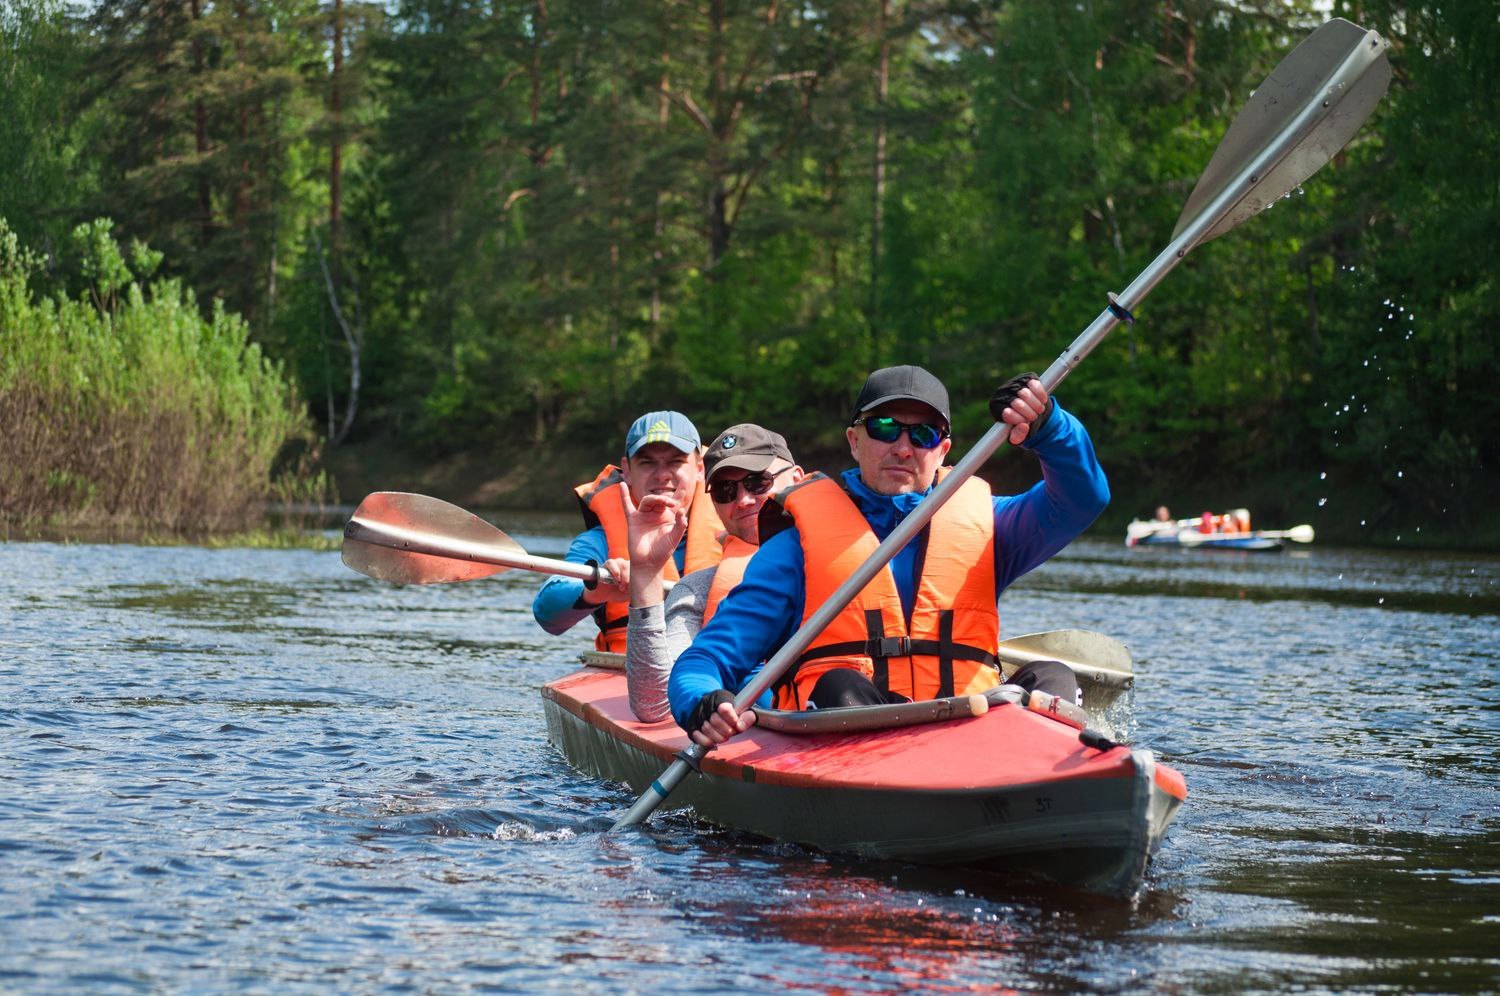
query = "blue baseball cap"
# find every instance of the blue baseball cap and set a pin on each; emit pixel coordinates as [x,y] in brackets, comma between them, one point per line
[662,427]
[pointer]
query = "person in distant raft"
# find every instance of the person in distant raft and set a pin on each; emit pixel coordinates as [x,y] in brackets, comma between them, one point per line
[927,626]
[743,466]
[661,458]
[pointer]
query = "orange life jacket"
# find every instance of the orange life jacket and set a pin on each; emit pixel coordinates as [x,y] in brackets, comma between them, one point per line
[602,505]
[955,625]
[730,572]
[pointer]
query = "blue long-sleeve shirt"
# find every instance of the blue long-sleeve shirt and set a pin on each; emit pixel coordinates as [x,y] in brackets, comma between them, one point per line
[766,608]
[558,605]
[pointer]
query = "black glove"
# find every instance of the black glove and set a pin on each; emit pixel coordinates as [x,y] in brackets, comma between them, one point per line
[706,707]
[1007,392]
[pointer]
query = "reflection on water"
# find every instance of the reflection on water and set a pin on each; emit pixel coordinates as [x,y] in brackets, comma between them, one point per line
[254,769]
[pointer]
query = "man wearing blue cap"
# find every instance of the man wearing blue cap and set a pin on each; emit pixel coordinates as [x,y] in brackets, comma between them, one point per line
[927,625]
[661,458]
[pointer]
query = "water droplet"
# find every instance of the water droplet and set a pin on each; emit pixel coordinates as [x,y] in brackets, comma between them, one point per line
[1361,521]
[1382,597]
[1400,473]
[1323,476]
[1322,502]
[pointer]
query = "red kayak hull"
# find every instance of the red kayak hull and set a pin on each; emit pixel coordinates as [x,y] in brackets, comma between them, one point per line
[1011,789]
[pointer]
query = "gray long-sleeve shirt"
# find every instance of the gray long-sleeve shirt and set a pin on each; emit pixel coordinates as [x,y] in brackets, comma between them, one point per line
[656,635]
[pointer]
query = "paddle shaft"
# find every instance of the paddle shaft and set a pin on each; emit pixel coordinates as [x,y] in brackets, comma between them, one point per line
[1244,182]
[414,541]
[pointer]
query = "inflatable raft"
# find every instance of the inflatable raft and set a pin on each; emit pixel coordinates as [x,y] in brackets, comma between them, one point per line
[1209,541]
[1230,531]
[1004,781]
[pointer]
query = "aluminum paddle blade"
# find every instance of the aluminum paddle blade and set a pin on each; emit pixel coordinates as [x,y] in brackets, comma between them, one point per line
[413,539]
[1319,95]
[1297,534]
[1092,656]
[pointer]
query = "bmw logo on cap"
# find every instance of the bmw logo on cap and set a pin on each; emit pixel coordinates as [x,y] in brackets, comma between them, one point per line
[729,442]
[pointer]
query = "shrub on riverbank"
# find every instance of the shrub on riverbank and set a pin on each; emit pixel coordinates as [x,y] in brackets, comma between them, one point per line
[124,407]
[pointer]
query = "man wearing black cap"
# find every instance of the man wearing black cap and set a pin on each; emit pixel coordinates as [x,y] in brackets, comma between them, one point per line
[928,624]
[743,467]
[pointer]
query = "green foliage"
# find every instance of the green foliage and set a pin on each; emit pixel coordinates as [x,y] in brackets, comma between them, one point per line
[127,406]
[48,159]
[556,215]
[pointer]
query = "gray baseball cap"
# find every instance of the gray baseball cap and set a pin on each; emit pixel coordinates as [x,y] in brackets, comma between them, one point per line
[747,446]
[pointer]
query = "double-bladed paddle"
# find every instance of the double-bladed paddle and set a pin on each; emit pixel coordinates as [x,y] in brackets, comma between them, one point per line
[413,539]
[408,538]
[1311,105]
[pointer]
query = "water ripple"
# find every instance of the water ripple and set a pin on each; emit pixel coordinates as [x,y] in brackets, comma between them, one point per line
[254,770]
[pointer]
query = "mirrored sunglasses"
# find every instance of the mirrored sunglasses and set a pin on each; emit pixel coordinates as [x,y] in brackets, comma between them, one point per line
[923,435]
[725,492]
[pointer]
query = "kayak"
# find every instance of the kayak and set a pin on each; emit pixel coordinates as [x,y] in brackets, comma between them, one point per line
[1003,781]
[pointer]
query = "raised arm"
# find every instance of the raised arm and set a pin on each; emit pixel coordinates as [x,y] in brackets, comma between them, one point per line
[1032,526]
[659,632]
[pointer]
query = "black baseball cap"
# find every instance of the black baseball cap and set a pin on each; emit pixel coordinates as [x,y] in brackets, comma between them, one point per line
[747,446]
[902,384]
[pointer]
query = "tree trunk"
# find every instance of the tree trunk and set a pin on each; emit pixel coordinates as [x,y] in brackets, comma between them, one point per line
[353,339]
[720,127]
[336,137]
[877,206]
[659,224]
[200,137]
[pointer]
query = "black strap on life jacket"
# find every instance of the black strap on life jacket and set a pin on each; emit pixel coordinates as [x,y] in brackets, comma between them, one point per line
[881,648]
[605,625]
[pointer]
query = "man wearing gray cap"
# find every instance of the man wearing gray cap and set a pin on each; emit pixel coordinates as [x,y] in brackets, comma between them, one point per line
[927,625]
[661,459]
[744,465]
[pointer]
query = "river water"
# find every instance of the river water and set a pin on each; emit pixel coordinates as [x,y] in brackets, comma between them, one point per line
[251,769]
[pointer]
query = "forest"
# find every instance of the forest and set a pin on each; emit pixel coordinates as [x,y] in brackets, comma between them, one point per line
[452,233]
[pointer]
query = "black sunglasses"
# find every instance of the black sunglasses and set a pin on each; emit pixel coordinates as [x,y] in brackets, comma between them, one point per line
[923,435]
[725,492]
